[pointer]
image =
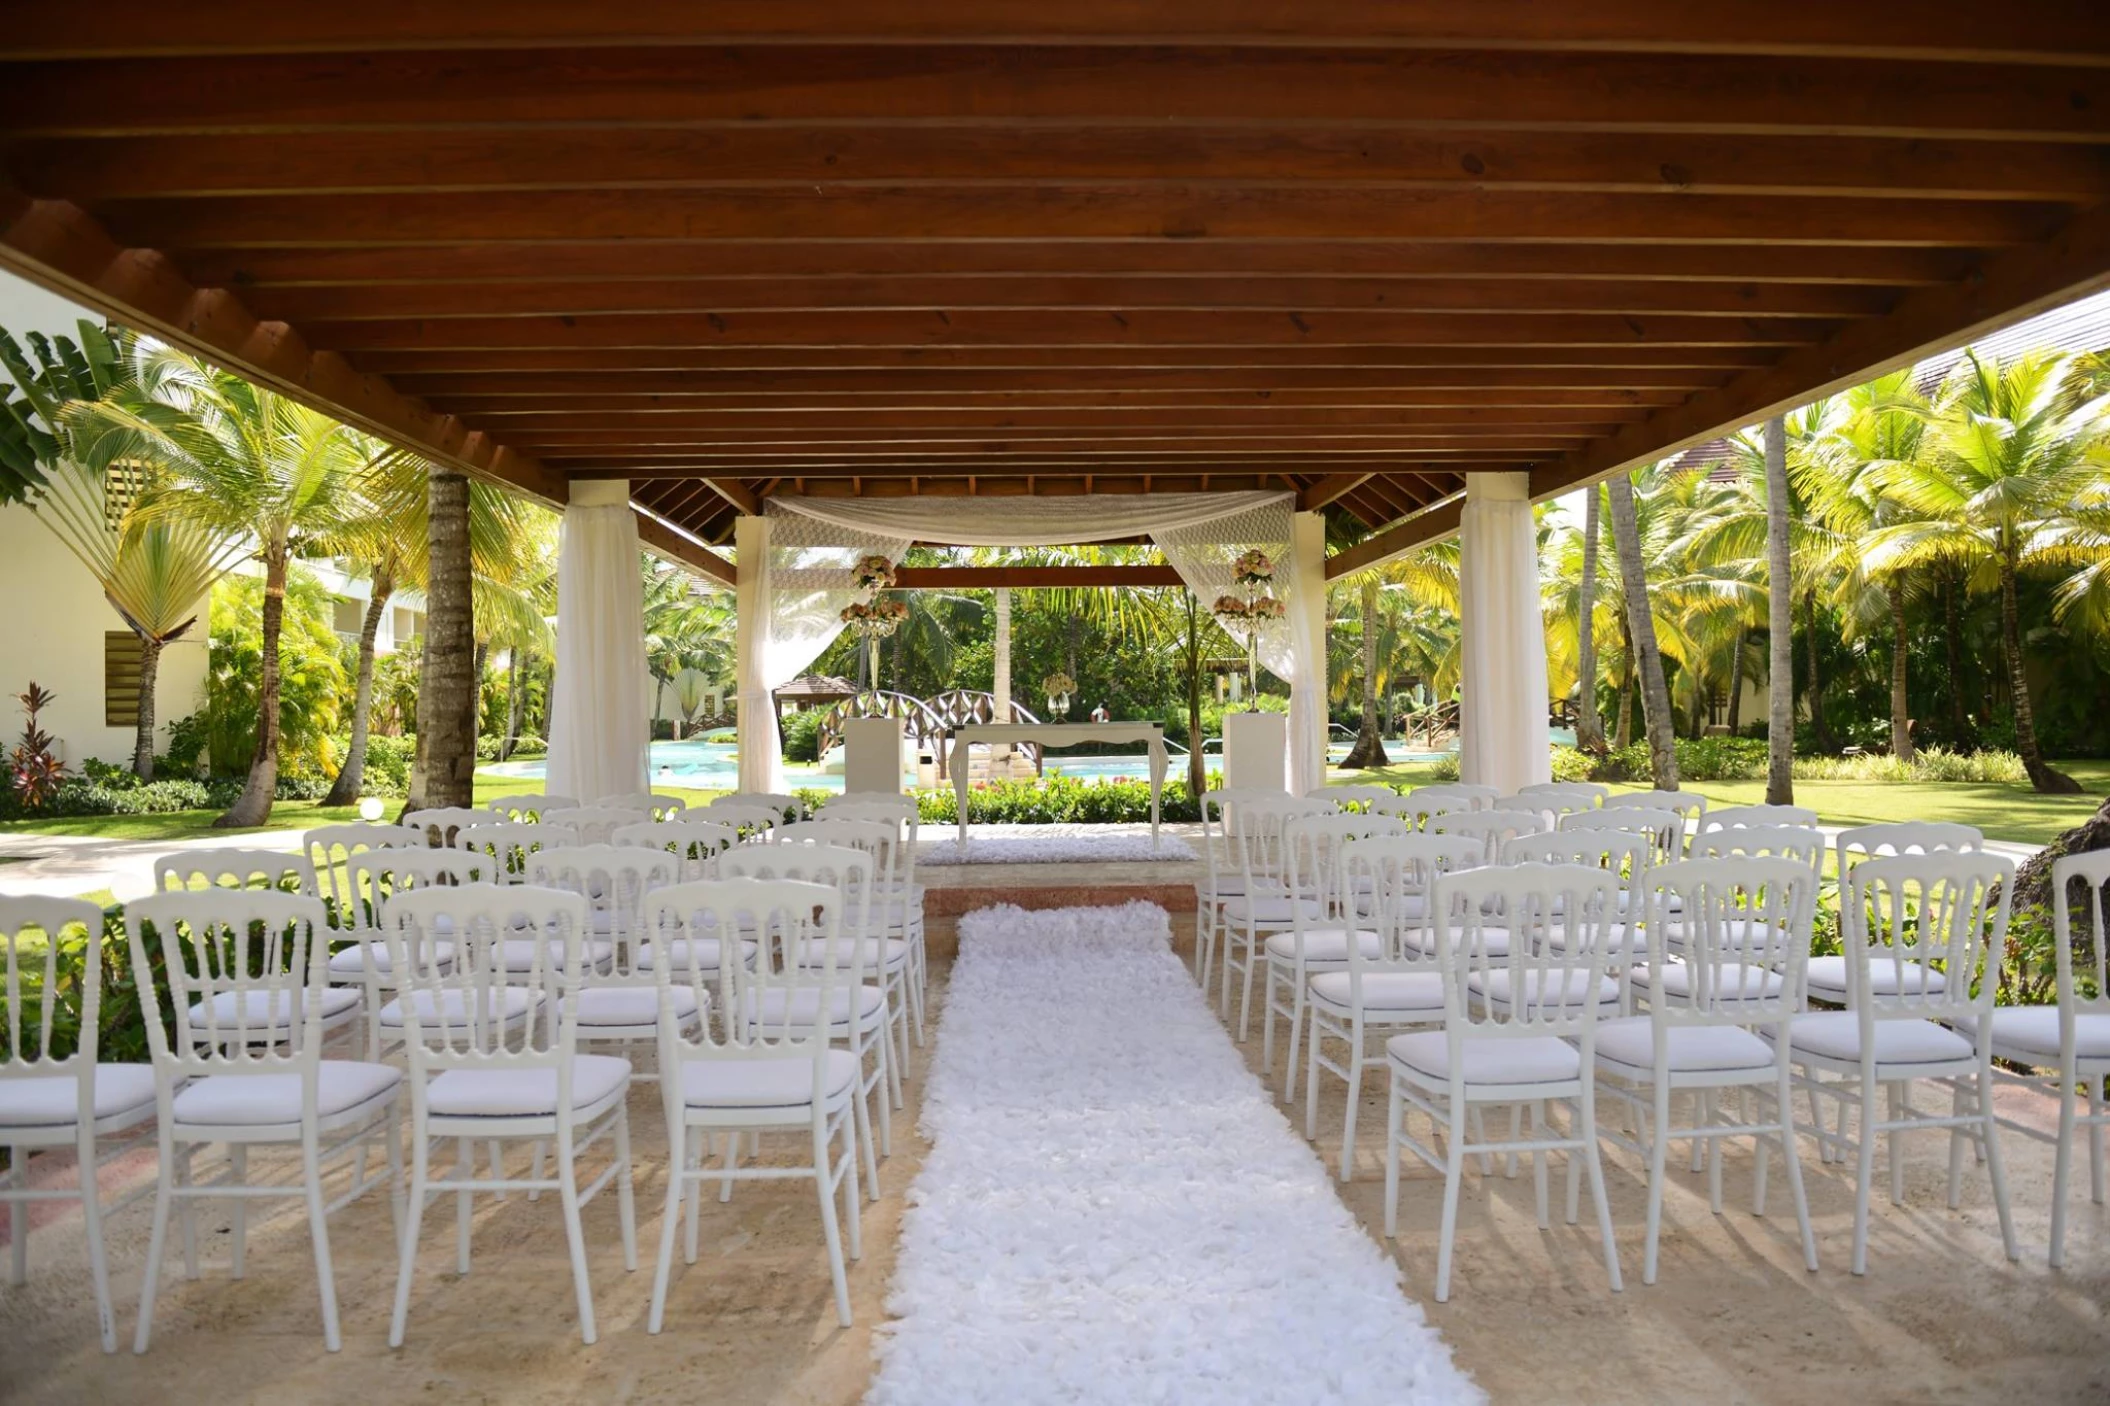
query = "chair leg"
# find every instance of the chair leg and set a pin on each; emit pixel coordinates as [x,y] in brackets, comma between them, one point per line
[2062,1167]
[1958,1137]
[1296,1035]
[1395,1112]
[828,1228]
[693,1200]
[164,1194]
[680,1170]
[889,1097]
[465,1170]
[853,1210]
[238,1159]
[18,1216]
[1587,1107]
[407,1250]
[1658,1145]
[188,1211]
[91,1226]
[625,1191]
[2096,1160]
[1865,1167]
[319,1231]
[575,1236]
[861,1120]
[1538,1159]
[1311,1078]
[1993,1167]
[725,1184]
[1453,1174]
[1267,1020]
[1253,958]
[1897,1106]
[1794,1163]
[1355,1099]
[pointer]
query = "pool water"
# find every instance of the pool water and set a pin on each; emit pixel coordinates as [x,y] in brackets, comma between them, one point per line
[714,766]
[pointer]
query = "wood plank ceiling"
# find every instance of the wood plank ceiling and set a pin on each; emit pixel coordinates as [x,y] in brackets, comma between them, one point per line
[840,247]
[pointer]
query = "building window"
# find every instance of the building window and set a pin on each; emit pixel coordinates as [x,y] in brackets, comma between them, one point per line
[349,617]
[406,625]
[121,651]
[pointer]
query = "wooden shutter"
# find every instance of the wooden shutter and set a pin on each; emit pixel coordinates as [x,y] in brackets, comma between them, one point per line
[120,679]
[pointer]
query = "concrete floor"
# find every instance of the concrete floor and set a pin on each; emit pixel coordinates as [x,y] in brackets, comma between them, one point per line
[1942,1316]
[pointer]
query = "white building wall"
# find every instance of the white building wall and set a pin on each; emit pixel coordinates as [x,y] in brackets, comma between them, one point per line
[52,615]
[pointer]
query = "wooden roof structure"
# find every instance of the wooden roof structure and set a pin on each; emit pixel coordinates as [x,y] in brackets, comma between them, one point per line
[929,247]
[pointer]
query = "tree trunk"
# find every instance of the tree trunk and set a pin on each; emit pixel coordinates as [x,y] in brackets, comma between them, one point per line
[352,775]
[446,764]
[1736,677]
[2043,777]
[476,687]
[516,677]
[1197,768]
[2033,880]
[1952,642]
[1369,749]
[1076,628]
[1641,623]
[253,806]
[1780,627]
[143,742]
[1589,728]
[1819,728]
[1900,702]
[1624,725]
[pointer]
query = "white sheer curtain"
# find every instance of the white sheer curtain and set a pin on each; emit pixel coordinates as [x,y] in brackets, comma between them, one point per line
[1502,734]
[598,727]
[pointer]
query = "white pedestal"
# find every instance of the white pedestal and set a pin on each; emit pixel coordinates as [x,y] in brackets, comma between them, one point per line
[1255,748]
[872,755]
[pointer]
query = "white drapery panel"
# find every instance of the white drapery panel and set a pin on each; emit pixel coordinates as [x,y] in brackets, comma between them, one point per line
[598,727]
[1502,734]
[1029,521]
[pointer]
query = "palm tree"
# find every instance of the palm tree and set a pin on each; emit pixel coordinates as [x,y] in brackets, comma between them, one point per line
[1641,624]
[387,538]
[445,772]
[238,459]
[1589,727]
[2011,482]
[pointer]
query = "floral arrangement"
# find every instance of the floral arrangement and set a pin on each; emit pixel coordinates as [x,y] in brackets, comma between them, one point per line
[873,573]
[1238,610]
[1253,568]
[1057,684]
[880,614]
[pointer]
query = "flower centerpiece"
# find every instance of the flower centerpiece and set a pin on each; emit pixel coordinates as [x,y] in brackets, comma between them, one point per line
[874,621]
[873,573]
[1058,686]
[1248,615]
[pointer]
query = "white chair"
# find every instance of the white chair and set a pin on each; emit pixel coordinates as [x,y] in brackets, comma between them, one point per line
[903,915]
[594,825]
[619,1005]
[896,923]
[754,819]
[1591,791]
[695,843]
[1355,798]
[1224,881]
[1550,806]
[1476,797]
[271,869]
[1492,828]
[787,807]
[1796,842]
[252,1073]
[1920,931]
[1524,1049]
[778,1072]
[1624,857]
[1257,829]
[50,1099]
[478,1074]
[1828,978]
[509,845]
[364,960]
[1690,805]
[330,849]
[1664,829]
[1701,1034]
[528,806]
[650,804]
[441,822]
[1731,817]
[1385,882]
[2071,1038]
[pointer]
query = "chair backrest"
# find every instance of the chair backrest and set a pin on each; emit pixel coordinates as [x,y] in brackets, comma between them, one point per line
[461,1016]
[330,849]
[377,875]
[1356,798]
[54,966]
[594,825]
[1590,790]
[440,822]
[1550,806]
[1737,919]
[525,807]
[1384,880]
[508,846]
[1313,845]
[1256,830]
[236,869]
[1493,828]
[1730,817]
[1476,796]
[1622,854]
[1417,806]
[1864,842]
[1690,804]
[1664,829]
[1926,926]
[251,964]
[898,811]
[615,881]
[756,818]
[1798,842]
[656,805]
[786,807]
[2078,908]
[697,843]
[857,805]
[848,871]
[1538,934]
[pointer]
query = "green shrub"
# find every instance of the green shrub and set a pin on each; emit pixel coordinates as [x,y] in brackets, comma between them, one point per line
[802,736]
[1699,759]
[388,765]
[724,736]
[1571,765]
[1060,800]
[1444,768]
[1929,764]
[312,680]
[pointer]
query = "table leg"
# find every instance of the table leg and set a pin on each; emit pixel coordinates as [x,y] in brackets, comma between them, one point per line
[960,755]
[1157,789]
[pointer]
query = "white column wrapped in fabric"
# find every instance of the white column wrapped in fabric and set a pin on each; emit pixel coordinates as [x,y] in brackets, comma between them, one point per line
[1307,650]
[598,728]
[1503,740]
[761,764]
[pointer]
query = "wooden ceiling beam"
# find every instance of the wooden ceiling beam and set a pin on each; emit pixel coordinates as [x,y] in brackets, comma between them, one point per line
[667,543]
[968,85]
[818,469]
[1600,373]
[735,493]
[1418,531]
[617,422]
[859,448]
[1317,495]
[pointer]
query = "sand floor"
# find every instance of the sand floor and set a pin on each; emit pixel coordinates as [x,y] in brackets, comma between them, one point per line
[1942,1316]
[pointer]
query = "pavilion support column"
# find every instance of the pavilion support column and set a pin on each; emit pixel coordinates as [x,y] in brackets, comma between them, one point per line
[1307,644]
[1000,684]
[1503,740]
[761,755]
[599,732]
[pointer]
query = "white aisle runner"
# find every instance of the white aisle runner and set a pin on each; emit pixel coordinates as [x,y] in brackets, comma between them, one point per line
[1114,1211]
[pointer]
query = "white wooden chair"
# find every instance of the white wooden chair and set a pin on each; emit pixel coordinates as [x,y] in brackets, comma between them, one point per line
[694,842]
[1526,1049]
[617,1004]
[904,912]
[275,870]
[52,1100]
[1625,858]
[1385,882]
[509,845]
[1257,829]
[1732,817]
[1592,791]
[1746,923]
[441,822]
[2071,1038]
[1225,880]
[1798,842]
[330,849]
[1664,829]
[1476,797]
[1828,978]
[1352,798]
[777,1073]
[754,819]
[787,807]
[364,960]
[526,807]
[478,1074]
[895,923]
[1920,931]
[1690,805]
[1550,806]
[652,805]
[594,825]
[1492,828]
[252,1072]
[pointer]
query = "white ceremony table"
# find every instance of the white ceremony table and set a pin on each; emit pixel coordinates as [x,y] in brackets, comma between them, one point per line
[1058,736]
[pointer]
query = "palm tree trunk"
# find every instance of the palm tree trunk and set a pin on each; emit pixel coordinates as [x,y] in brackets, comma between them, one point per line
[2043,777]
[1900,702]
[253,806]
[515,677]
[143,741]
[1624,726]
[1780,626]
[446,763]
[1369,749]
[1589,728]
[352,775]
[1641,622]
[1197,769]
[1819,728]
[1952,641]
[1736,677]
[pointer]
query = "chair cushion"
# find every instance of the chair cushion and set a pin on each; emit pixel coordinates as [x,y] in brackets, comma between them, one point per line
[785,1083]
[2033,1031]
[1693,1049]
[351,962]
[631,1005]
[1571,986]
[261,1100]
[1383,991]
[1827,978]
[706,955]
[886,953]
[1618,937]
[54,1100]
[1272,908]
[520,954]
[1731,980]
[1322,945]
[1425,1056]
[596,1081]
[1733,933]
[513,1003]
[1494,941]
[268,1008]
[779,1007]
[1837,1035]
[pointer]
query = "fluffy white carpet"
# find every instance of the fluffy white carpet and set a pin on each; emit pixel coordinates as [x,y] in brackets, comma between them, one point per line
[1113,1210]
[1054,849]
